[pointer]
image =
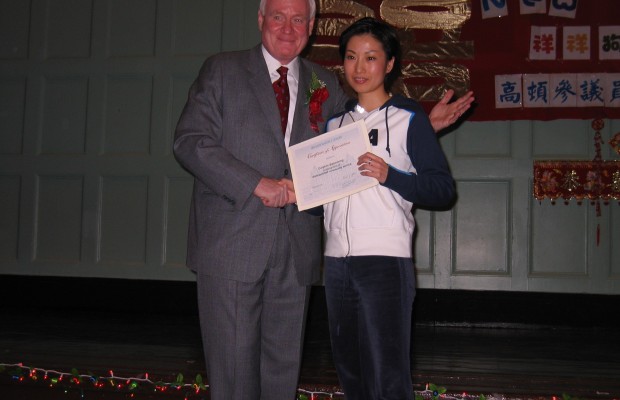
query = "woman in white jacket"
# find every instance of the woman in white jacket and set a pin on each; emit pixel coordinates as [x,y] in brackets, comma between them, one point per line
[369,272]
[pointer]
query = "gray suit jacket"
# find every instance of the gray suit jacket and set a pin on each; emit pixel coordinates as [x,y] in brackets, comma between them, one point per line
[228,137]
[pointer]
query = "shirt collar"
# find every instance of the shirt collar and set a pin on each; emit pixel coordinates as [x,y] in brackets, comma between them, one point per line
[273,65]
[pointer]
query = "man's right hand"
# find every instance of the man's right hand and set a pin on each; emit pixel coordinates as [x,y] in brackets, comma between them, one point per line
[272,192]
[292,198]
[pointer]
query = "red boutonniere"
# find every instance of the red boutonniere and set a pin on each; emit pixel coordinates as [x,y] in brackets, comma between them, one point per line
[315,97]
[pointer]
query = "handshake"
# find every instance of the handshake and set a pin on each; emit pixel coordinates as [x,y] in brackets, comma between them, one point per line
[275,193]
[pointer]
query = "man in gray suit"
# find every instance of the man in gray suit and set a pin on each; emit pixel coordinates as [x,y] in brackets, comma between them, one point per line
[254,254]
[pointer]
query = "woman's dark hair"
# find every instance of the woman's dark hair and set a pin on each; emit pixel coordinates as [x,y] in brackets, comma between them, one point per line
[385,34]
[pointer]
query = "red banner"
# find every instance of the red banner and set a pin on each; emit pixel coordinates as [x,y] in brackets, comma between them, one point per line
[447,44]
[577,179]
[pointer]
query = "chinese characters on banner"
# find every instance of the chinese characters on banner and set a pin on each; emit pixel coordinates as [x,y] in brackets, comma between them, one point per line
[524,59]
[557,8]
[597,181]
[557,90]
[564,90]
[578,180]
[564,40]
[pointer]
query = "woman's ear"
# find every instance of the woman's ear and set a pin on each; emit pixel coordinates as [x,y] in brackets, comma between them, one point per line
[390,65]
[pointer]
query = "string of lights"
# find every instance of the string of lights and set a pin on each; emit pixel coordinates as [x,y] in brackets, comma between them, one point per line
[54,378]
[134,385]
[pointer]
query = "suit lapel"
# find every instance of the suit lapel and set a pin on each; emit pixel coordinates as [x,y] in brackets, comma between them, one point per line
[260,85]
[301,124]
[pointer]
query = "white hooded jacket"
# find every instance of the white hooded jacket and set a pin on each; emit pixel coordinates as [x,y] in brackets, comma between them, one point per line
[379,220]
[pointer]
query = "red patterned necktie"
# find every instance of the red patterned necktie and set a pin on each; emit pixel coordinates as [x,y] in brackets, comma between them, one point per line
[280,87]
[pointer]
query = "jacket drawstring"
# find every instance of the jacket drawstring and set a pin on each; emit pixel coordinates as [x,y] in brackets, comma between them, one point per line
[342,120]
[387,128]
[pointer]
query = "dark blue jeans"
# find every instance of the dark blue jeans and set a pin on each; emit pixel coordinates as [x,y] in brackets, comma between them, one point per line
[369,303]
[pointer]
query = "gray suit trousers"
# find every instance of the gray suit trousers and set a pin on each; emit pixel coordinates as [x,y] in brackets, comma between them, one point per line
[253,332]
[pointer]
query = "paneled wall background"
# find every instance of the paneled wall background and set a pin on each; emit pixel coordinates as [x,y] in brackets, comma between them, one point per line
[90,91]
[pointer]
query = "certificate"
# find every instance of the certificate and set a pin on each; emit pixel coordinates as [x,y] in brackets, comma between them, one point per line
[325,168]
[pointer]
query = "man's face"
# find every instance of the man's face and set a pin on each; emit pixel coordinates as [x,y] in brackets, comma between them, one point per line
[285,28]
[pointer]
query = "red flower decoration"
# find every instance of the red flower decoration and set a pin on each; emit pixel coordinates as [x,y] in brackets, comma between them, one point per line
[316,96]
[315,106]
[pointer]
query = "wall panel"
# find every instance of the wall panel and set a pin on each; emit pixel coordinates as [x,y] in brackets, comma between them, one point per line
[423,241]
[12,114]
[127,115]
[131,28]
[492,142]
[482,228]
[10,191]
[58,219]
[14,29]
[63,123]
[560,236]
[123,220]
[68,33]
[195,24]
[562,139]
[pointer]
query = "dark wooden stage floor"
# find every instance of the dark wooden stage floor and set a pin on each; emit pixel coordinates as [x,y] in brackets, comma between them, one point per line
[499,361]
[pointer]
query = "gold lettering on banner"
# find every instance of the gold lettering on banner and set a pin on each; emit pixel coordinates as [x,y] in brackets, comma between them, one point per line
[439,14]
[447,16]
[324,54]
[410,83]
[435,51]
[431,75]
[334,26]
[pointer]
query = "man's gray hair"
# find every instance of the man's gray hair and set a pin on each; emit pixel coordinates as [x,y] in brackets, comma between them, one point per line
[311,4]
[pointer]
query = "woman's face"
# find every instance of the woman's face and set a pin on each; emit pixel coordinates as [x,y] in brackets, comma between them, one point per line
[366,64]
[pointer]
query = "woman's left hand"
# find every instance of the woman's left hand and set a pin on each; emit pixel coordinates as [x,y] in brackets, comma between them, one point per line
[372,165]
[445,114]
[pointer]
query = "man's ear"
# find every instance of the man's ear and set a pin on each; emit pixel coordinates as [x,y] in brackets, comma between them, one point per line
[260,21]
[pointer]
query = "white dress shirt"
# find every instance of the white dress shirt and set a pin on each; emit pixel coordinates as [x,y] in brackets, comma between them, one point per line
[292,77]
